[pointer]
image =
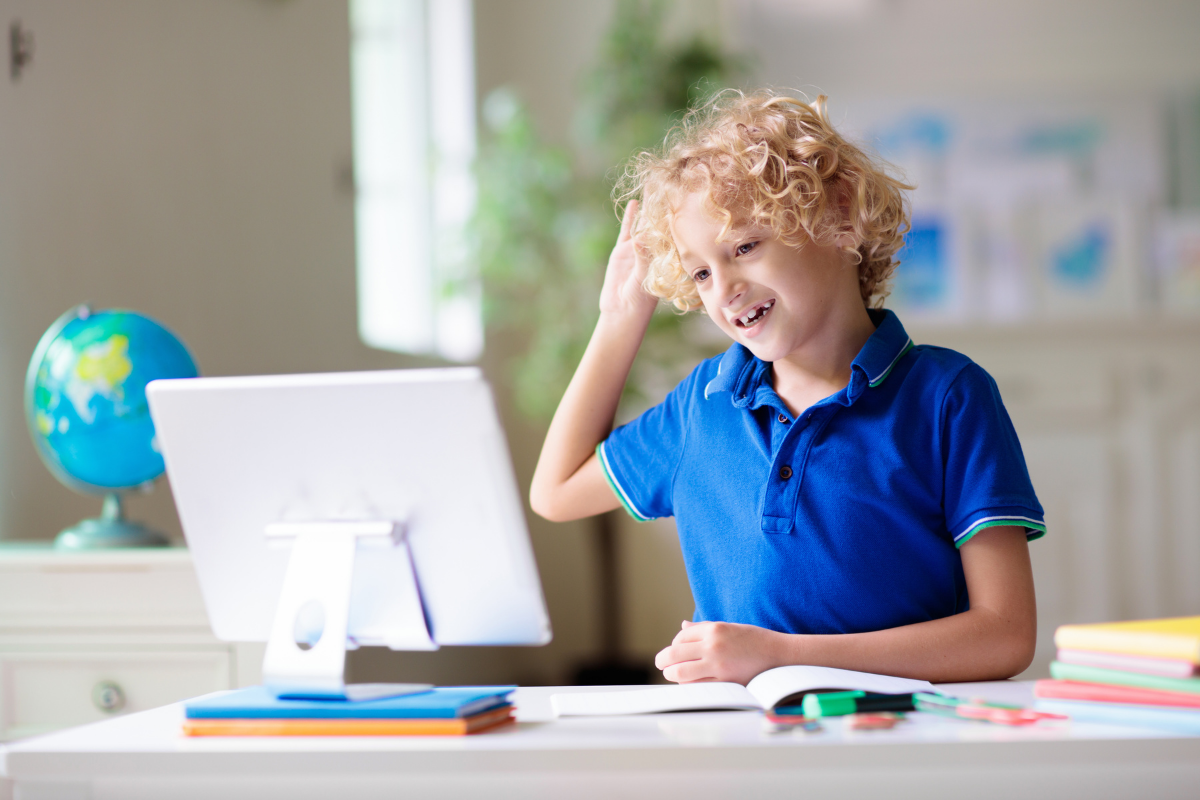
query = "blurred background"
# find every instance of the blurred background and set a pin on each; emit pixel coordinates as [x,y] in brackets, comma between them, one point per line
[308,185]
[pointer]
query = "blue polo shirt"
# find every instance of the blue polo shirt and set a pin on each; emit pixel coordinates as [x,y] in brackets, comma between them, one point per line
[844,519]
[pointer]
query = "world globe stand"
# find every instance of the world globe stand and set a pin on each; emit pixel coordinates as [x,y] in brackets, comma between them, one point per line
[110,529]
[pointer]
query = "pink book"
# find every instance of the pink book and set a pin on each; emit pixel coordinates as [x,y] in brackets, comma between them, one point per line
[1107,693]
[1146,665]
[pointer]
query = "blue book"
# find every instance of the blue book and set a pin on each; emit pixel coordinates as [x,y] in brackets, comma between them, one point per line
[257,702]
[1176,720]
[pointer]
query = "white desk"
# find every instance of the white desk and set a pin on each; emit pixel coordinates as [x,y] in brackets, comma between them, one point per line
[695,755]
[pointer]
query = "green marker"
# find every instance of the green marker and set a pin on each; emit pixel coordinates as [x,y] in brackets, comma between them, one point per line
[839,704]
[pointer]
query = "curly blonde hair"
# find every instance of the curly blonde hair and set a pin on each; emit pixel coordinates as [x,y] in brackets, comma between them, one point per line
[776,162]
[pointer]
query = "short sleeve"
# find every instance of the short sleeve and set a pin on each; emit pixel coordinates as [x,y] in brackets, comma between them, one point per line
[641,457]
[986,480]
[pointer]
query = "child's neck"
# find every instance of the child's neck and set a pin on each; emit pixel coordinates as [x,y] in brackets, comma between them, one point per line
[821,367]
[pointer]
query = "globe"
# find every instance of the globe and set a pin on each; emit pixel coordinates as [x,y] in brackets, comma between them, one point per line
[85,399]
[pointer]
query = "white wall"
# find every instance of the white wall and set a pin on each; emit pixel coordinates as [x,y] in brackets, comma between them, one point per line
[186,160]
[974,48]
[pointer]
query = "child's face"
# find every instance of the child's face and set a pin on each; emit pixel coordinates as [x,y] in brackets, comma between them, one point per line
[773,298]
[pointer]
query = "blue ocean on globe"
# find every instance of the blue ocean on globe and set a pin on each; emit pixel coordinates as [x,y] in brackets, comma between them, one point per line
[86,396]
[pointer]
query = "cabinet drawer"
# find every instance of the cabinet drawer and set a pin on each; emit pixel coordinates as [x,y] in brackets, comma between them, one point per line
[41,691]
[43,589]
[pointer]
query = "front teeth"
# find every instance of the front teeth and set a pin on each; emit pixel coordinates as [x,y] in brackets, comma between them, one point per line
[757,312]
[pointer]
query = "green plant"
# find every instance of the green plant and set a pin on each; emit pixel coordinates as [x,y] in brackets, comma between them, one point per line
[545,220]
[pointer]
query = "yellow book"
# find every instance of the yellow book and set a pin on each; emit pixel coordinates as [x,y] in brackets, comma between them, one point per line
[1176,638]
[348,727]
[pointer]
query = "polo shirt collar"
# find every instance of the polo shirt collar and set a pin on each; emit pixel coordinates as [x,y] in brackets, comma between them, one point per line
[740,374]
[883,350]
[745,377]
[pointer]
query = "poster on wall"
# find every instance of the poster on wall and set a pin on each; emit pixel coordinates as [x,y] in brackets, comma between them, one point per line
[1086,254]
[1177,259]
[931,282]
[1023,209]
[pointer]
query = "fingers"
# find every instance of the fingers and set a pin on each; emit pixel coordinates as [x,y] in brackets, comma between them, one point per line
[690,672]
[673,655]
[627,220]
[677,653]
[639,242]
[693,632]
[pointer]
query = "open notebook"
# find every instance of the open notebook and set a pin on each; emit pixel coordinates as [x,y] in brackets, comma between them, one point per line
[775,687]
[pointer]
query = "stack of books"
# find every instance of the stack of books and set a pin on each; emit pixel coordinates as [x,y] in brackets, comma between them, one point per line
[255,711]
[1144,673]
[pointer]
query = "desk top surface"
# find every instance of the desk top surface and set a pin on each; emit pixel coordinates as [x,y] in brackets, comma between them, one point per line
[151,741]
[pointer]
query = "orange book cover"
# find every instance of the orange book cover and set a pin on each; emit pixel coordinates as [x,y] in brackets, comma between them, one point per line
[1176,638]
[349,727]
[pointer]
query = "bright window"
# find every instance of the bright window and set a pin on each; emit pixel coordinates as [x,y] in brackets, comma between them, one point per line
[414,140]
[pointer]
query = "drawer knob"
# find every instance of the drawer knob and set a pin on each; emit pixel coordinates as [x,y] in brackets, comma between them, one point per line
[108,696]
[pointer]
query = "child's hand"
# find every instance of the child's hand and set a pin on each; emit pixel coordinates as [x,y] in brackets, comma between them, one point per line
[623,292]
[718,651]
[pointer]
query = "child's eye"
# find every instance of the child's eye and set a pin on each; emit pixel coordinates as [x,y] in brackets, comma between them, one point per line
[700,275]
[742,249]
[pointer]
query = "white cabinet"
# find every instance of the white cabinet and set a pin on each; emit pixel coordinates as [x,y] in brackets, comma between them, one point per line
[85,636]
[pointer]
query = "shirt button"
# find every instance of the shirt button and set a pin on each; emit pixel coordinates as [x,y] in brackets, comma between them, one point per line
[783,419]
[785,472]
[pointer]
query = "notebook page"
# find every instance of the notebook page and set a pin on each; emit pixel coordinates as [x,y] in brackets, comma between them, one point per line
[777,684]
[688,697]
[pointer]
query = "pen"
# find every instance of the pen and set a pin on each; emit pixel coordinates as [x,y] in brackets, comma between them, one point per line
[979,709]
[837,704]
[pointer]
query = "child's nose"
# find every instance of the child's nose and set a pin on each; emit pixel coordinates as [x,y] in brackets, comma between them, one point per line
[729,285]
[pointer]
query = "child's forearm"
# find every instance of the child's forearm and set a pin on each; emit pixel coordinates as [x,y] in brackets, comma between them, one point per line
[991,641]
[568,482]
[584,417]
[976,645]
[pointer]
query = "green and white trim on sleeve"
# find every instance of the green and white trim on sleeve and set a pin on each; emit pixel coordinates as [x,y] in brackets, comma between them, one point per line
[1034,528]
[613,483]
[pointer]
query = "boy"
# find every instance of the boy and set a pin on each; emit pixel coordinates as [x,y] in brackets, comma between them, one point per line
[839,493]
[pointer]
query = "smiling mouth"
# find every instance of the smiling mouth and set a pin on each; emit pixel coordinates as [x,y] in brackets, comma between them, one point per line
[754,315]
